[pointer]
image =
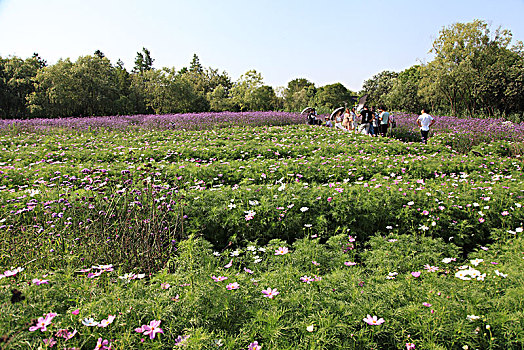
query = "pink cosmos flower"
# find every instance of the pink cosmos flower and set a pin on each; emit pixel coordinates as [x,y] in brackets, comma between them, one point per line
[315,263]
[64,333]
[373,321]
[248,270]
[307,279]
[270,293]
[165,285]
[219,278]
[93,275]
[232,286]
[431,268]
[410,346]
[43,322]
[281,251]
[349,263]
[229,264]
[102,344]
[254,346]
[330,199]
[481,220]
[75,312]
[152,329]
[50,342]
[415,274]
[39,281]
[105,323]
[504,213]
[426,304]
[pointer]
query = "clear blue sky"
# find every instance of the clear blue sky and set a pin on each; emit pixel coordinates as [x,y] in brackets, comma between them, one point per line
[327,41]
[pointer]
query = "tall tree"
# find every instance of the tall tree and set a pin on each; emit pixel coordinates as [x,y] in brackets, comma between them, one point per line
[298,94]
[143,61]
[16,84]
[378,87]
[245,87]
[332,96]
[404,93]
[463,54]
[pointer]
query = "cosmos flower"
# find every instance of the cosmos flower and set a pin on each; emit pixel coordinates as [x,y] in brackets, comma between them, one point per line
[373,321]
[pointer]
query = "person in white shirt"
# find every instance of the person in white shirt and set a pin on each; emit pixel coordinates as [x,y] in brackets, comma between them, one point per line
[425,121]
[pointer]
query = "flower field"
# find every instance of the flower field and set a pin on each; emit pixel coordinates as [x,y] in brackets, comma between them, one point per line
[255,231]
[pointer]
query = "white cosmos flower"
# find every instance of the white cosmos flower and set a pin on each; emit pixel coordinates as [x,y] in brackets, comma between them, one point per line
[472,318]
[304,209]
[463,275]
[498,273]
[476,262]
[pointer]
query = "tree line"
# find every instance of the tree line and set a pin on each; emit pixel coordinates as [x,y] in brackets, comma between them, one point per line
[474,71]
[93,86]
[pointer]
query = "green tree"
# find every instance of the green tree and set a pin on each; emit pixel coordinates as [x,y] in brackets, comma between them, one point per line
[378,87]
[244,88]
[87,87]
[143,61]
[16,84]
[165,91]
[124,104]
[468,56]
[404,92]
[332,96]
[220,99]
[298,94]
[263,99]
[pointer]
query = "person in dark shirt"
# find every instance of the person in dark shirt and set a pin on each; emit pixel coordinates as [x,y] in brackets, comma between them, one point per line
[367,119]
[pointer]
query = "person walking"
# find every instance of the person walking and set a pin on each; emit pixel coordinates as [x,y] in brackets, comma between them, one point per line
[424,122]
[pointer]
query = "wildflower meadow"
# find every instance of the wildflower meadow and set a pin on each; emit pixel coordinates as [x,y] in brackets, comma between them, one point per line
[256,231]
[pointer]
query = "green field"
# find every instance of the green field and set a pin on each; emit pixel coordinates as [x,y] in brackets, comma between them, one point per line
[145,225]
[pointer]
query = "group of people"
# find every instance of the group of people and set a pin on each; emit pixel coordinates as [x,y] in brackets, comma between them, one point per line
[368,121]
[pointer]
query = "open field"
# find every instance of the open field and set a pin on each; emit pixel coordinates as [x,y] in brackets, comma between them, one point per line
[194,221]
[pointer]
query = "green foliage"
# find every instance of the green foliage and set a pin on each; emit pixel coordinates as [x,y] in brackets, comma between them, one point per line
[378,87]
[333,96]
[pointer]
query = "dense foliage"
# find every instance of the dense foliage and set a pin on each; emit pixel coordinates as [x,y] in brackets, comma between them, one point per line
[475,71]
[136,232]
